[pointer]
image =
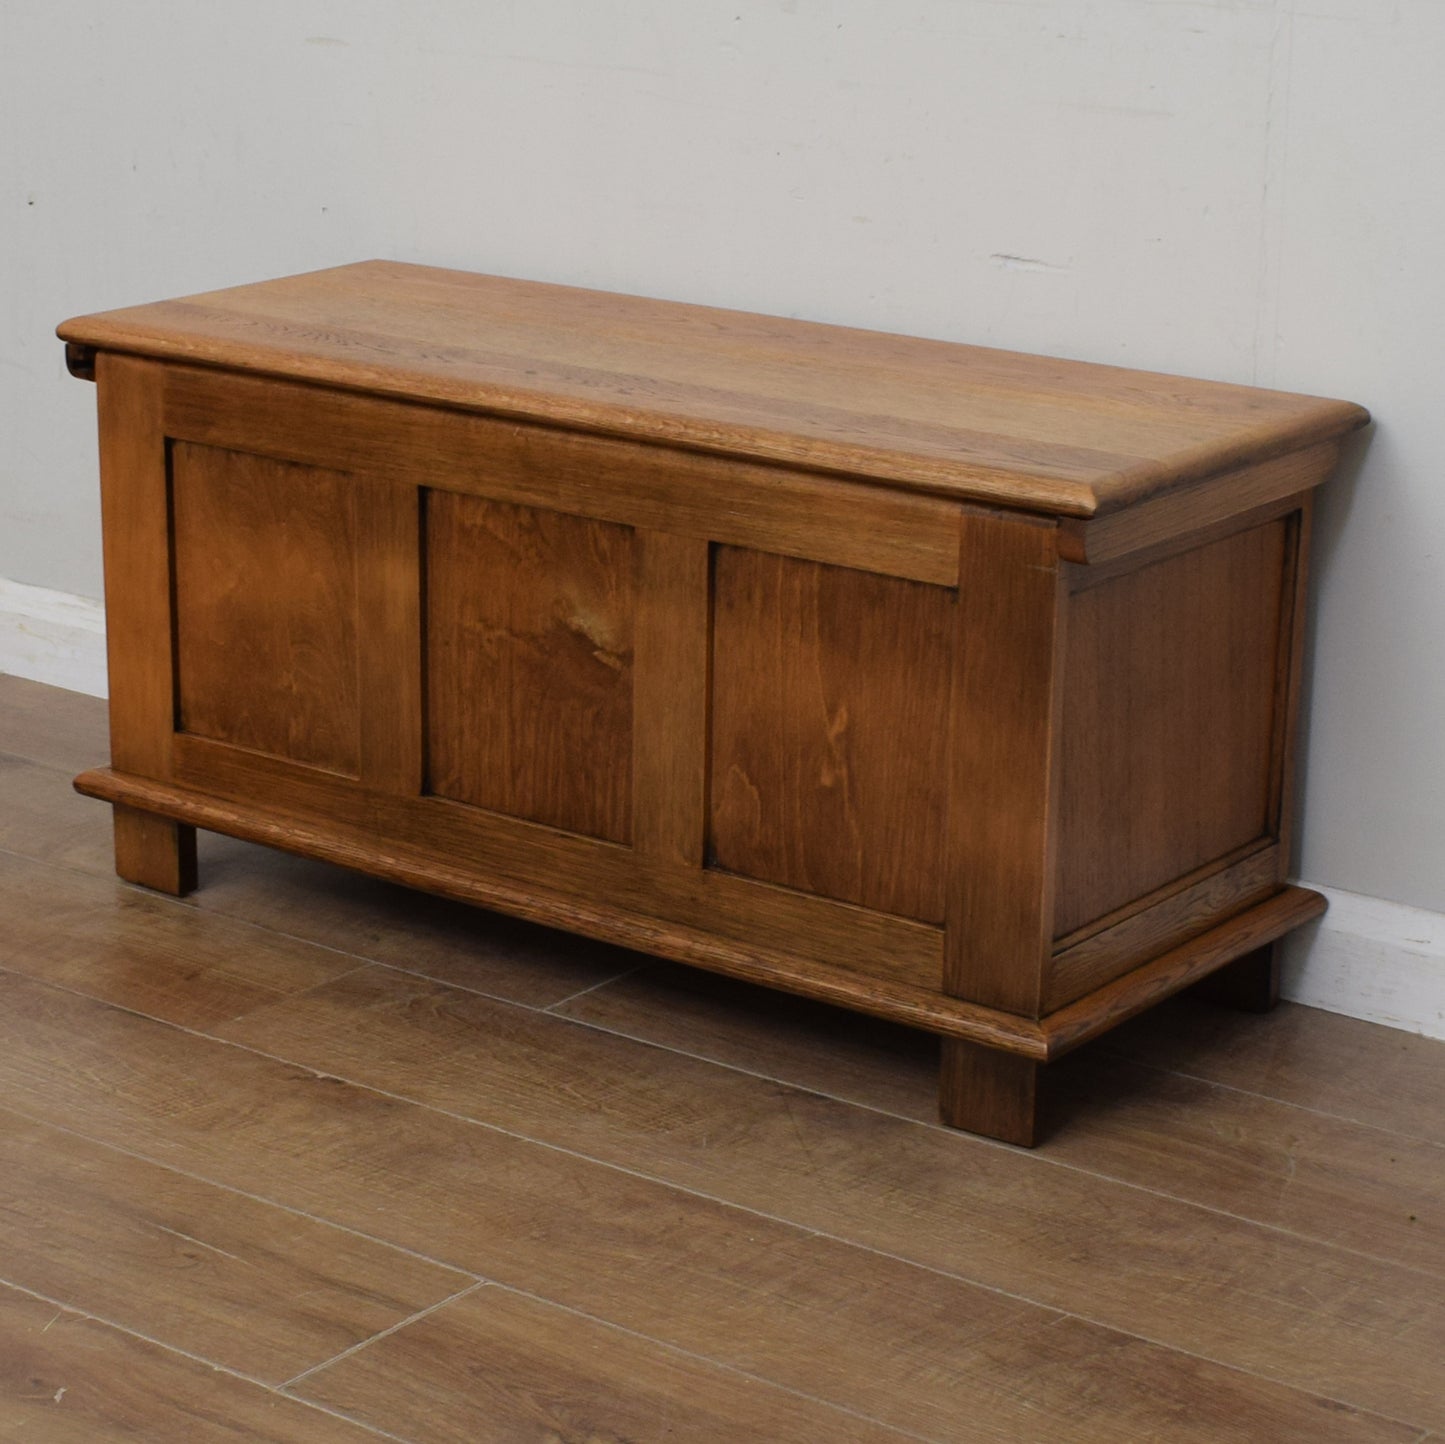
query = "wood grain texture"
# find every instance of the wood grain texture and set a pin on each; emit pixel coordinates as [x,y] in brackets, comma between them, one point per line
[541,476]
[732,907]
[137,951]
[989,1092]
[673,681]
[1104,1007]
[50,725]
[44,819]
[810,944]
[526,868]
[656,488]
[874,1342]
[830,730]
[1315,1174]
[962,421]
[389,637]
[1379,1077]
[713,1275]
[266,559]
[193,1266]
[1003,772]
[529,623]
[1169,721]
[1289,681]
[69,1379]
[135,527]
[155,852]
[1145,927]
[740,1025]
[496,1367]
[1188,512]
[937,1198]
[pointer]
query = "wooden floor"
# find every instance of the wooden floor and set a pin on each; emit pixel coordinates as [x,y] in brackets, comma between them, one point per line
[309,1158]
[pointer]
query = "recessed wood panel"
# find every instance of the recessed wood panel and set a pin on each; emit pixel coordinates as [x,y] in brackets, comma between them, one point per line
[830,730]
[1169,710]
[529,622]
[266,605]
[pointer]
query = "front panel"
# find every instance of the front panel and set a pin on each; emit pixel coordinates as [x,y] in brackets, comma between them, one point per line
[830,730]
[265,579]
[529,621]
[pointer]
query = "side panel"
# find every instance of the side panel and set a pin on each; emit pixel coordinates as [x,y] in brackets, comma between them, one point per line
[1168,723]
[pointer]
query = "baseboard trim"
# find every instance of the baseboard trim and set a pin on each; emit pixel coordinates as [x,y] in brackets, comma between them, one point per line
[1371,958]
[52,637]
[1367,957]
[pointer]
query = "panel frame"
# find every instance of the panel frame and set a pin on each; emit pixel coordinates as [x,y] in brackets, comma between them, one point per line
[796,512]
[572,867]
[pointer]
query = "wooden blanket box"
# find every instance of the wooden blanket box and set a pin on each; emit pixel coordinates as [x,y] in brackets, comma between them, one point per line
[947,684]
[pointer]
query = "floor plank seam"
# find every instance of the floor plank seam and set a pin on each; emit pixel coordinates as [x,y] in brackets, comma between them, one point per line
[192,906]
[800,1228]
[870,1248]
[371,1339]
[361,967]
[230,1188]
[82,1313]
[1037,1155]
[721,1364]
[583,992]
[1415,1139]
[962,1141]
[196,906]
[811,1231]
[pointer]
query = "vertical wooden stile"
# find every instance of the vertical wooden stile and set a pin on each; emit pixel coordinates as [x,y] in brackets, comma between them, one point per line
[673,654]
[140,628]
[389,600]
[1007,700]
[1288,674]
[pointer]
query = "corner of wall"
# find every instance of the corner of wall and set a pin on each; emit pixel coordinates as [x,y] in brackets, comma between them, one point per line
[1371,958]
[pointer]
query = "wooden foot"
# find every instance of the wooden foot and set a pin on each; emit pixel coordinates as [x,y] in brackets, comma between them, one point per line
[154,851]
[1250,983]
[987,1091]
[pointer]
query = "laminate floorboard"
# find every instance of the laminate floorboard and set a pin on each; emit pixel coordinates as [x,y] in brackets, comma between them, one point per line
[494,1367]
[46,820]
[691,1195]
[63,729]
[1312,1173]
[139,950]
[1306,1313]
[894,1341]
[1328,1063]
[259,1290]
[69,1379]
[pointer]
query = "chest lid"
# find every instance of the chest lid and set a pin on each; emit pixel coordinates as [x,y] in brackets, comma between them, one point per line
[1064,438]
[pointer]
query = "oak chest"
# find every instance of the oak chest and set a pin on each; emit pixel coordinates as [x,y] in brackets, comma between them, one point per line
[948,684]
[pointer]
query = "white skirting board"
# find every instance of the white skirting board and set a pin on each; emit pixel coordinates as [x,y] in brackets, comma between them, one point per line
[1367,957]
[52,637]
[1371,958]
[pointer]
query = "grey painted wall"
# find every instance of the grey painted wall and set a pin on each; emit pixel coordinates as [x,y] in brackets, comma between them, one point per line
[1246,190]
